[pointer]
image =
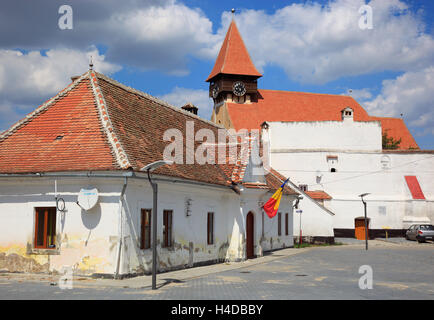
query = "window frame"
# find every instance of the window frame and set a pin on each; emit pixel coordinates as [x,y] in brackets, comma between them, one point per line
[210,228]
[279,224]
[167,228]
[287,224]
[48,230]
[145,229]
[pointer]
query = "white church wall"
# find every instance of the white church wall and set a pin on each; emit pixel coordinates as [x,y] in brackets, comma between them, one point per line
[326,135]
[379,173]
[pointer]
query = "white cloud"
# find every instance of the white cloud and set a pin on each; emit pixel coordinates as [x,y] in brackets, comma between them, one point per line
[317,44]
[359,94]
[411,94]
[181,96]
[28,79]
[160,37]
[149,35]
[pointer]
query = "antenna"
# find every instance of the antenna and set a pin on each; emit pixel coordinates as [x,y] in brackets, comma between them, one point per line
[233,13]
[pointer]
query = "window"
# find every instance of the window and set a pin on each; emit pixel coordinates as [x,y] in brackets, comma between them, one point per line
[145,238]
[45,228]
[303,187]
[426,227]
[279,224]
[210,228]
[332,162]
[286,224]
[167,228]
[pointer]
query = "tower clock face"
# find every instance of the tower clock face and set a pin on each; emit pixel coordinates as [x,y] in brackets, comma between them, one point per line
[239,89]
[215,91]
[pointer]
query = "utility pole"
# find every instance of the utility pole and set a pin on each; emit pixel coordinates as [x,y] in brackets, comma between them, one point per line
[366,219]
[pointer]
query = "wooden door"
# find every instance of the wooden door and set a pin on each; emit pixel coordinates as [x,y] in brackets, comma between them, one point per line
[360,228]
[250,235]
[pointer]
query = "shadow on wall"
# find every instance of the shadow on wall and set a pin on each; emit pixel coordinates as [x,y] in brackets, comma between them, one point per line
[91,219]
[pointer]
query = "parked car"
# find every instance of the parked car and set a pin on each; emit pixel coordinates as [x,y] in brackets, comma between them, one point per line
[420,232]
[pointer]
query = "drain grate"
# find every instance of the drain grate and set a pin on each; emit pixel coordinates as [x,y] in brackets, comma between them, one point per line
[245,272]
[301,275]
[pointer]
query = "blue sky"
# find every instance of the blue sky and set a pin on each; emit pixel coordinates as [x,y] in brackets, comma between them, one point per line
[167,48]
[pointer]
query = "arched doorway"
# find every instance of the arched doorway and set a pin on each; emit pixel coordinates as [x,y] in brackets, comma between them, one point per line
[250,228]
[359,227]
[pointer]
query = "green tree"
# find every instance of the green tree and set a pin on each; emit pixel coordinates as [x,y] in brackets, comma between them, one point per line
[390,143]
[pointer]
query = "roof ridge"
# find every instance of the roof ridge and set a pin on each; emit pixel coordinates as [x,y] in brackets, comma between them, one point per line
[5,134]
[154,99]
[307,93]
[227,45]
[104,117]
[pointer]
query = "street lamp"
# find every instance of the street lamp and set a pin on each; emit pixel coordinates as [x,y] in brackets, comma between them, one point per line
[366,219]
[300,212]
[151,167]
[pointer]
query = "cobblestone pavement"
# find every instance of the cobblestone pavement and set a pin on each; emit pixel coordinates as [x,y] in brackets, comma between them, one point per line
[399,272]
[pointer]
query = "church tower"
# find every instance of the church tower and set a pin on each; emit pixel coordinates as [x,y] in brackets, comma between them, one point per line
[233,78]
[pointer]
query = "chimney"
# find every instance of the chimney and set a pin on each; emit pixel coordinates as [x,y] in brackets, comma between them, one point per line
[190,108]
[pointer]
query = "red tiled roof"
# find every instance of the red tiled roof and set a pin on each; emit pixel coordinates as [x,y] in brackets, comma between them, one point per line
[233,57]
[415,189]
[31,145]
[273,105]
[96,124]
[396,128]
[318,194]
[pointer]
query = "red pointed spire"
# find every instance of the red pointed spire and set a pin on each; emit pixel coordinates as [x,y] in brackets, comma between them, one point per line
[233,57]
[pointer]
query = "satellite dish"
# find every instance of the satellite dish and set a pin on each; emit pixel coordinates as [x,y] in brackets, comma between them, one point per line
[87,198]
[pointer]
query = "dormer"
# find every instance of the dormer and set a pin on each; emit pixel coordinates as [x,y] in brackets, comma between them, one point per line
[347,114]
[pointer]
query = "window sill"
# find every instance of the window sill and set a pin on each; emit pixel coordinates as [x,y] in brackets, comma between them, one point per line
[44,251]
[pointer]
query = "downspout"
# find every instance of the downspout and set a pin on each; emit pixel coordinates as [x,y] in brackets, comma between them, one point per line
[121,232]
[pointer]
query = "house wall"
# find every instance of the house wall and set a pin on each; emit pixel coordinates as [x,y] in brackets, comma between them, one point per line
[315,222]
[266,236]
[89,241]
[86,241]
[189,234]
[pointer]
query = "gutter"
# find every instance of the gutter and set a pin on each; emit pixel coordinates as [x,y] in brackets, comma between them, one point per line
[129,174]
[121,229]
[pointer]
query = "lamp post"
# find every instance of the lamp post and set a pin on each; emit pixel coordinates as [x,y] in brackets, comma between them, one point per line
[151,167]
[299,211]
[366,219]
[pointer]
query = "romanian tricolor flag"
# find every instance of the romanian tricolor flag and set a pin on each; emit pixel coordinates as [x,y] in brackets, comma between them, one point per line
[272,205]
